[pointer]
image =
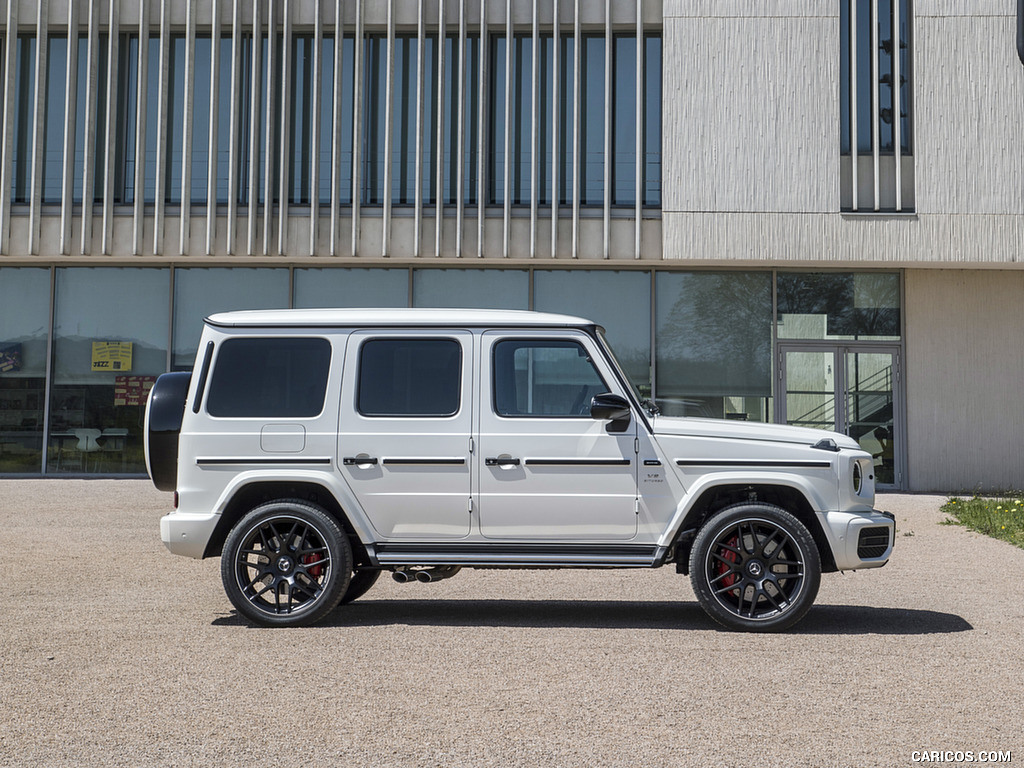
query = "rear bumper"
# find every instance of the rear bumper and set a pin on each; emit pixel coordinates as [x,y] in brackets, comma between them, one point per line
[187,534]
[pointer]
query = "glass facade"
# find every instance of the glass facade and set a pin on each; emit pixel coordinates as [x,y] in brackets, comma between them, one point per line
[839,306]
[351,288]
[699,342]
[623,106]
[24,339]
[609,298]
[412,135]
[856,65]
[714,343]
[110,337]
[472,288]
[201,292]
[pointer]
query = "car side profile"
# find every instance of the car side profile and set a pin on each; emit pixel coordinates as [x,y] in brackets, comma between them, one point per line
[312,450]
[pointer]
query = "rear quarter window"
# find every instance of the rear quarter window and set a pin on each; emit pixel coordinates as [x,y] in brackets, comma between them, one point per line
[270,378]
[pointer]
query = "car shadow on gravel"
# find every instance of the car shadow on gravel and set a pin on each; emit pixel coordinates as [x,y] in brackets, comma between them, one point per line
[618,614]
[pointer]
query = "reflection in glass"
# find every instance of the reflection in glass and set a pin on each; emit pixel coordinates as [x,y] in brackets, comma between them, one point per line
[544,378]
[714,340]
[201,292]
[617,300]
[98,394]
[839,305]
[24,333]
[351,288]
[869,409]
[471,288]
[811,389]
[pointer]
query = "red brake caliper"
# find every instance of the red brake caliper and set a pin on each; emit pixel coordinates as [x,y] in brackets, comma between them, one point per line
[316,570]
[732,557]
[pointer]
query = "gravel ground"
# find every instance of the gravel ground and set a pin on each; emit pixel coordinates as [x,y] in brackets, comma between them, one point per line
[116,653]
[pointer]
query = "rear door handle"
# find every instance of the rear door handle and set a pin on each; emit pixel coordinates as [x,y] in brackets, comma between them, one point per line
[494,461]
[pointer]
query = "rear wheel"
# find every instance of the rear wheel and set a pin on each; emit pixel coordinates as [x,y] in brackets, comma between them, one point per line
[755,567]
[359,585]
[286,564]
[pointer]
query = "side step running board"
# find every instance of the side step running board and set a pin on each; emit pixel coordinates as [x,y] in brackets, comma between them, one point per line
[599,555]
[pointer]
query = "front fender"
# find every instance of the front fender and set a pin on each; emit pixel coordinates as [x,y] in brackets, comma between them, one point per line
[819,493]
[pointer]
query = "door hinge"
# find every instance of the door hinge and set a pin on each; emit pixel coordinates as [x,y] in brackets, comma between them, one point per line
[636,506]
[636,445]
[471,445]
[469,504]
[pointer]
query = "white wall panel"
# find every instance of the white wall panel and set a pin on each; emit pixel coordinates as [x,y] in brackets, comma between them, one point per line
[965,360]
[961,8]
[968,116]
[832,240]
[751,114]
[746,8]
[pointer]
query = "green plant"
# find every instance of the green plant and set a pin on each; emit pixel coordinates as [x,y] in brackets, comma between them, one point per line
[1000,517]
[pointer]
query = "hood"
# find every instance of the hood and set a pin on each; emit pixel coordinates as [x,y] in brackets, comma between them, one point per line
[747,430]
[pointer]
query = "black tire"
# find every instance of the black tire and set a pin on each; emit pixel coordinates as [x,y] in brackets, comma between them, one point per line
[755,568]
[286,564]
[359,585]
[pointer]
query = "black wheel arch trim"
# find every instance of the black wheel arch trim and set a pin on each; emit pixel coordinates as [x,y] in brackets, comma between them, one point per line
[719,497]
[256,492]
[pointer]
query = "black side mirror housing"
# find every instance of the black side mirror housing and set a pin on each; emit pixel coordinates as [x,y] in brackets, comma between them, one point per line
[1020,30]
[608,406]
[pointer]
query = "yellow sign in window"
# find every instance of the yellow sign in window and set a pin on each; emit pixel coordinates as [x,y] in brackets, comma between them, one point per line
[112,356]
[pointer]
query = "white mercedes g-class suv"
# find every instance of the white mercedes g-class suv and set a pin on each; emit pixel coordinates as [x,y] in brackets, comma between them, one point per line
[313,449]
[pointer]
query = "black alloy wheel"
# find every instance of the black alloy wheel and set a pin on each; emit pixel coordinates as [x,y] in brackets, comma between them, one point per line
[359,585]
[755,567]
[286,564]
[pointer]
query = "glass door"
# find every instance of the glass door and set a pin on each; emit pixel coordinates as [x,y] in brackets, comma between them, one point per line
[852,390]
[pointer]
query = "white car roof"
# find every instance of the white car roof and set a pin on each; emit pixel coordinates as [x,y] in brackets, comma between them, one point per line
[393,317]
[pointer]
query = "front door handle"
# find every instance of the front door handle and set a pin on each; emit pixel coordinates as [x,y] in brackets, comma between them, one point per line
[353,461]
[495,461]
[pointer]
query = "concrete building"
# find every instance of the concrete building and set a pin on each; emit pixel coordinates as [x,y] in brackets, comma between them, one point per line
[737,198]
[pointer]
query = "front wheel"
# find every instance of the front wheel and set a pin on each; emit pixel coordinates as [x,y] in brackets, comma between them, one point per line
[286,564]
[755,567]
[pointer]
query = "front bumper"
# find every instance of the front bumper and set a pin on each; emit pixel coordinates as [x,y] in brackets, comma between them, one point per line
[861,539]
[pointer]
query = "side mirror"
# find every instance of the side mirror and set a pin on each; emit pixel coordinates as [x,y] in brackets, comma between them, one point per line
[1020,30]
[607,406]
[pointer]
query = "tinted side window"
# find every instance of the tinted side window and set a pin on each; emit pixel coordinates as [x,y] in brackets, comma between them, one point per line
[270,378]
[544,378]
[409,377]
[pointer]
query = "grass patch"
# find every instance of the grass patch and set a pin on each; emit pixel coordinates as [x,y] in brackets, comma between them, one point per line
[1001,517]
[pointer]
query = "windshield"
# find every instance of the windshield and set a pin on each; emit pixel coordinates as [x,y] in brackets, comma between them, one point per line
[648,404]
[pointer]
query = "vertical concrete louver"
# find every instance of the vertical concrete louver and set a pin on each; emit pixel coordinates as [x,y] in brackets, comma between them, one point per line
[120,150]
